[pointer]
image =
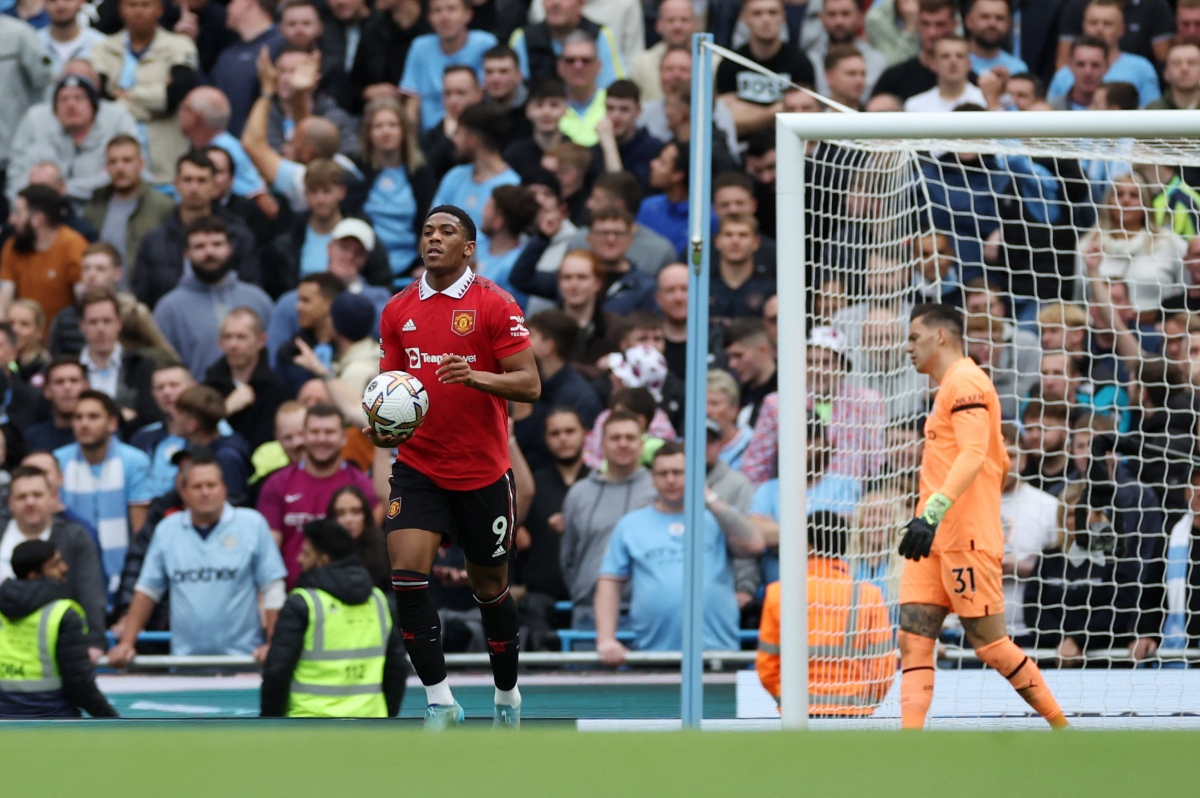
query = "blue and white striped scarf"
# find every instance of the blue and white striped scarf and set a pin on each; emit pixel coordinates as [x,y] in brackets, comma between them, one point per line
[1178,551]
[101,499]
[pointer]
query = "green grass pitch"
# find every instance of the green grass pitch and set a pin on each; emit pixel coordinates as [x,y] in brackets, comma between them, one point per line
[337,759]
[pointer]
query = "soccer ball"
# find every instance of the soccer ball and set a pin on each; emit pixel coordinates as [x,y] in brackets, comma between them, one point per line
[395,403]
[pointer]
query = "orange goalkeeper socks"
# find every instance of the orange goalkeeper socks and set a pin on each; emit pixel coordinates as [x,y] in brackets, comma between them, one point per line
[916,679]
[1007,658]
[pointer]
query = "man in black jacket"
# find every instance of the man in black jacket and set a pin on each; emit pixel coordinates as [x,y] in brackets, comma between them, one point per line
[159,262]
[40,583]
[329,566]
[243,377]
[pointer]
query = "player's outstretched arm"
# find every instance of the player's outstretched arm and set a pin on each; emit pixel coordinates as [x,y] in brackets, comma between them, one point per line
[519,382]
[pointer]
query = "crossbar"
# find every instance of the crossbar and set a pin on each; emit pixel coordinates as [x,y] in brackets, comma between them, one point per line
[1026,124]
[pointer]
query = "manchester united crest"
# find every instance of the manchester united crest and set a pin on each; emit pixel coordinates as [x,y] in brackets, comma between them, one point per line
[393,508]
[462,322]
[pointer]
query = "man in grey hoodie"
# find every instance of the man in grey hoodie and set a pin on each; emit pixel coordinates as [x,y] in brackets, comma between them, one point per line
[595,504]
[190,315]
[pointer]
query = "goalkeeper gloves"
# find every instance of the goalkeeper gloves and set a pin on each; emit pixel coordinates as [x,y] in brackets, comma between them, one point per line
[918,535]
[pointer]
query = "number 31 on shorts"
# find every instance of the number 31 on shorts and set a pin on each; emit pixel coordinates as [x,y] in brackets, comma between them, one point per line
[963,577]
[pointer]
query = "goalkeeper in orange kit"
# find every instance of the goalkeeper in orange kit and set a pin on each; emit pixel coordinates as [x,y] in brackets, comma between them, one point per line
[955,544]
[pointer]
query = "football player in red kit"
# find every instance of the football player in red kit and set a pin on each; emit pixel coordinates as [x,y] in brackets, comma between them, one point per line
[465,338]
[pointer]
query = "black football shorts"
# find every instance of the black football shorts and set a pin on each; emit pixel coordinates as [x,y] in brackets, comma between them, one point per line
[479,521]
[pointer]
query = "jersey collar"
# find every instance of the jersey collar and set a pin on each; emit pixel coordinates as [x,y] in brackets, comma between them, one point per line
[457,291]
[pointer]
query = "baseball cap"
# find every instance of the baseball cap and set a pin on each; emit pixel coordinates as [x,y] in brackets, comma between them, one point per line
[356,229]
[194,452]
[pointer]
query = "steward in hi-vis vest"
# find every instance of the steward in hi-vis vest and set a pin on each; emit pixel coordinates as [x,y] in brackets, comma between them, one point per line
[335,652]
[45,670]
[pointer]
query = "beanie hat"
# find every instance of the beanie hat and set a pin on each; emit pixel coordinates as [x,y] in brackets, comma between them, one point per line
[78,82]
[353,316]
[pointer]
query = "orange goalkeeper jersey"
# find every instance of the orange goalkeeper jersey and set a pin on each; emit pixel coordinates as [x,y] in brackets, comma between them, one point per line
[965,460]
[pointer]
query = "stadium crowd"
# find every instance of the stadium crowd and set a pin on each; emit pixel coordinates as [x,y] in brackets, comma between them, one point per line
[210,203]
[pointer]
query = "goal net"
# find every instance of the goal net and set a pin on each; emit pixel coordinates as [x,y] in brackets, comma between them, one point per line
[1072,256]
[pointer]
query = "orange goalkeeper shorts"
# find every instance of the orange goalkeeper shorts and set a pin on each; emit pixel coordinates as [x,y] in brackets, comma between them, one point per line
[968,583]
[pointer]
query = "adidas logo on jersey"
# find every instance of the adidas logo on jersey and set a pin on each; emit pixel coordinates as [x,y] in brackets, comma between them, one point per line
[499,552]
[409,326]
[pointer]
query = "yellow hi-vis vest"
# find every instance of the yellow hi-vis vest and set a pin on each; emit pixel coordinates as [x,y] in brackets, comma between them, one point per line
[28,647]
[340,672]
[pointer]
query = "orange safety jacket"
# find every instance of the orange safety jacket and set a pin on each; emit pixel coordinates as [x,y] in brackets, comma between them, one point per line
[851,652]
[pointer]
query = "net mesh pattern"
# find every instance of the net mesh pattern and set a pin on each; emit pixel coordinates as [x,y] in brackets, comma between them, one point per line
[1071,262]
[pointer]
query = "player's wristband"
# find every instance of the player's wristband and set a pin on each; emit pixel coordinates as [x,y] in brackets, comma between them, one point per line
[936,508]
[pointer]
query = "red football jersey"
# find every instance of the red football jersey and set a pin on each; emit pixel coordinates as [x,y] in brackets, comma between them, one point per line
[463,442]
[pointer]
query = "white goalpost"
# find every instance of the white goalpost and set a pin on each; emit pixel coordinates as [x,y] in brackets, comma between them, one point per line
[1078,301]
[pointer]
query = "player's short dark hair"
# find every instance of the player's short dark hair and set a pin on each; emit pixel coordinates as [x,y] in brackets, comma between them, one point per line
[745,329]
[30,557]
[624,89]
[195,158]
[668,449]
[827,533]
[322,410]
[518,207]
[46,201]
[487,122]
[501,51]
[1122,94]
[935,314]
[547,89]
[328,537]
[1039,85]
[622,185]
[328,284]
[464,219]
[638,401]
[617,416]
[558,328]
[111,408]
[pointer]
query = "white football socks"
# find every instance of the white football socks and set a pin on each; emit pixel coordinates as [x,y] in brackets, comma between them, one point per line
[439,693]
[508,698]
